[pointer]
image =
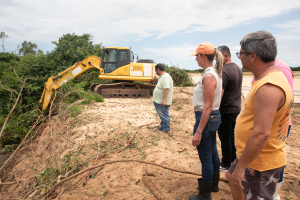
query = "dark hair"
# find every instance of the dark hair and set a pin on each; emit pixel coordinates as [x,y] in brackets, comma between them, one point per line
[160,67]
[262,43]
[210,57]
[224,49]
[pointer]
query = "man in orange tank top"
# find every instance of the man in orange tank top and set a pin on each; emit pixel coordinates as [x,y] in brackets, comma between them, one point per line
[262,125]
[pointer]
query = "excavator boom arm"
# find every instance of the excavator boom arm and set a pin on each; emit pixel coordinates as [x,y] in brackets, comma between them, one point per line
[76,70]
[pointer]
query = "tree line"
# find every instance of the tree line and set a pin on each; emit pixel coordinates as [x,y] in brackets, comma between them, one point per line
[32,67]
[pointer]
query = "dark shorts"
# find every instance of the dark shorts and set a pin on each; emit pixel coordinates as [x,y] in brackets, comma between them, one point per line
[258,185]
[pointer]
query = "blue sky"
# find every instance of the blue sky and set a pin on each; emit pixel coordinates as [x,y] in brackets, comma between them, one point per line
[163,30]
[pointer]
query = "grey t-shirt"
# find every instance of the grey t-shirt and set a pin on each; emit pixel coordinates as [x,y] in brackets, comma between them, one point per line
[232,77]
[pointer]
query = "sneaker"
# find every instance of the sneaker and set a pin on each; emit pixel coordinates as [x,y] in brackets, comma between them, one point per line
[158,129]
[223,168]
[162,131]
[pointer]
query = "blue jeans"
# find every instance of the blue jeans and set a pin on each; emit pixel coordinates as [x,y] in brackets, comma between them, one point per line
[163,113]
[281,174]
[207,149]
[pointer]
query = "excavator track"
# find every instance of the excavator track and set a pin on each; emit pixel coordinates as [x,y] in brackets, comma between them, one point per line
[123,89]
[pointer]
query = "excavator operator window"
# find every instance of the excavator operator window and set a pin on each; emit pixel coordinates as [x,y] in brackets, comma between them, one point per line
[123,56]
[110,61]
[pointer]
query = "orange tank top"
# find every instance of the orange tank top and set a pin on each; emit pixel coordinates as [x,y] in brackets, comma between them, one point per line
[273,155]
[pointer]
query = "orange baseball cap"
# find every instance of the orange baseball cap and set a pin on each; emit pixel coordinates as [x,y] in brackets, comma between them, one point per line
[205,48]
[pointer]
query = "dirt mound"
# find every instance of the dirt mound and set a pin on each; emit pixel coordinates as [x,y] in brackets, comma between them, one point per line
[66,145]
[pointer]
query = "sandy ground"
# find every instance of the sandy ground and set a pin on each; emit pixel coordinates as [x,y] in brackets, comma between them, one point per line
[106,128]
[246,85]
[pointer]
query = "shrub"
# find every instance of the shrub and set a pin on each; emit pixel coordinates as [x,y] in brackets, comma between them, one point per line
[179,76]
[295,68]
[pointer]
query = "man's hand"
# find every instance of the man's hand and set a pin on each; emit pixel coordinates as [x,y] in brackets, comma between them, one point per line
[237,177]
[196,139]
[166,91]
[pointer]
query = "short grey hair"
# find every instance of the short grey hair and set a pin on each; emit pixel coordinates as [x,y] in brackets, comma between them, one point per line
[262,43]
[224,49]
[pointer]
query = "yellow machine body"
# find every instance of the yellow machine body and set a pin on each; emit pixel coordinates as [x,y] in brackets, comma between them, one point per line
[117,64]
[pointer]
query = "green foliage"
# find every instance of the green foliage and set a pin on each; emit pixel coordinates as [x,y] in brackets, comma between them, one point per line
[29,48]
[25,112]
[179,76]
[18,126]
[49,176]
[8,57]
[195,71]
[137,182]
[75,111]
[98,97]
[71,48]
[295,68]
[37,68]
[91,77]
[2,35]
[79,93]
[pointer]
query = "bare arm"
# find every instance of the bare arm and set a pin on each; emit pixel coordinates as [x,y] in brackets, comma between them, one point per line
[209,86]
[222,94]
[166,91]
[267,100]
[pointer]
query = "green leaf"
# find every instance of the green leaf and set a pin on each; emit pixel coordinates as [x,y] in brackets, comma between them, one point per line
[137,182]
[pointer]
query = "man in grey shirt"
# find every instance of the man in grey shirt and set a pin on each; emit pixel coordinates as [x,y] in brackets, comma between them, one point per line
[230,107]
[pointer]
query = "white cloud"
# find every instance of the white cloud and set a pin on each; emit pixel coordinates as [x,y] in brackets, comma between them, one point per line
[118,21]
[180,52]
[288,42]
[291,31]
[179,55]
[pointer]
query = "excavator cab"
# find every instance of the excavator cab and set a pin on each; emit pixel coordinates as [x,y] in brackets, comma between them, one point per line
[114,58]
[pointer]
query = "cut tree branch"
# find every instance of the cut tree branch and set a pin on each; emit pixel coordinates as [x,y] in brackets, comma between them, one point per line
[115,161]
[19,77]
[125,160]
[11,91]
[37,121]
[13,108]
[130,141]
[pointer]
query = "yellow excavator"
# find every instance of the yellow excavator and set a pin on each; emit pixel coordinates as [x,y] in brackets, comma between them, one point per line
[117,63]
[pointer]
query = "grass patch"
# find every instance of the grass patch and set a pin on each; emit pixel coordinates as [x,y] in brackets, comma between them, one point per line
[70,164]
[74,111]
